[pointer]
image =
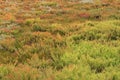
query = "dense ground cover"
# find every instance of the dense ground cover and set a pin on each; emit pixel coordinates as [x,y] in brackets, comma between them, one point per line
[59,40]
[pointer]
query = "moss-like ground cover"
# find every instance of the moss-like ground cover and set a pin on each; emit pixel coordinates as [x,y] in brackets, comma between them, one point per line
[59,40]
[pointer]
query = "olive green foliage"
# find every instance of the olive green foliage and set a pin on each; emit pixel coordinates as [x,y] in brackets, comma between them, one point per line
[59,40]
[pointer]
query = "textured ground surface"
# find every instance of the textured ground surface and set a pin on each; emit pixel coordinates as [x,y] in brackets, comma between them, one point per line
[59,40]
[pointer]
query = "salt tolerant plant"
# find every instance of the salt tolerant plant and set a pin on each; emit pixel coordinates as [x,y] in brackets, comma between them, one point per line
[74,72]
[20,71]
[30,22]
[7,44]
[92,31]
[38,27]
[58,29]
[51,4]
[4,71]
